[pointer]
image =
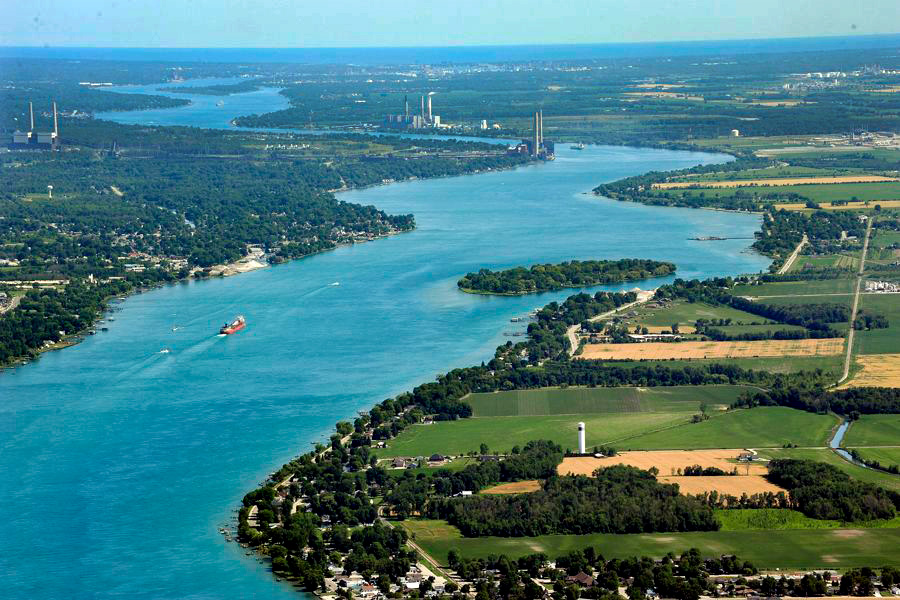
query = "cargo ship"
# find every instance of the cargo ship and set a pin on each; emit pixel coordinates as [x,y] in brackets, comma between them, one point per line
[234,326]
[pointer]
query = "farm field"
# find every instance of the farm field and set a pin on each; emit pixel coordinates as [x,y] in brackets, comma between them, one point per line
[796,288]
[783,364]
[666,461]
[580,400]
[516,487]
[885,480]
[876,370]
[772,181]
[502,433]
[683,350]
[794,549]
[874,430]
[826,261]
[733,485]
[885,456]
[743,519]
[875,193]
[848,206]
[880,341]
[762,427]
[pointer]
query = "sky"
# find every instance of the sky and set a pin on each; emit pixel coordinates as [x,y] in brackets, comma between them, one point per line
[379,23]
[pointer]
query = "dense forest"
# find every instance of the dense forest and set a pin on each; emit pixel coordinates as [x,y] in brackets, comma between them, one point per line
[542,278]
[822,491]
[849,402]
[617,499]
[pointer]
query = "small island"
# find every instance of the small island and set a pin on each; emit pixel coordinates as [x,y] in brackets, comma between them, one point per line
[572,274]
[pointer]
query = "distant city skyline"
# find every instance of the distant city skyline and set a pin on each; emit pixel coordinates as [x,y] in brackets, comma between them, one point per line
[397,23]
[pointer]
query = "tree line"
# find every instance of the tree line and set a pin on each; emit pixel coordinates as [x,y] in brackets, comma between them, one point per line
[546,277]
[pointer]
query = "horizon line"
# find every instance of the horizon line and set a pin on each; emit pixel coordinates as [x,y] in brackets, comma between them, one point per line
[485,45]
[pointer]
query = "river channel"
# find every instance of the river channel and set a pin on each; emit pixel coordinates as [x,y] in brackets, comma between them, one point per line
[121,462]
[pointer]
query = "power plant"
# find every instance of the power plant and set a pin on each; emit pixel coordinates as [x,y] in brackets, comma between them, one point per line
[32,139]
[423,120]
[536,146]
[581,444]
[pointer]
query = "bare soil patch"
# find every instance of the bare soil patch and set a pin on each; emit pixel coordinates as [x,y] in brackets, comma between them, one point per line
[516,487]
[733,485]
[773,181]
[687,350]
[877,370]
[667,461]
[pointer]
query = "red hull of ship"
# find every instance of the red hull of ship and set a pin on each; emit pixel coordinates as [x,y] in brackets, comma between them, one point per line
[234,329]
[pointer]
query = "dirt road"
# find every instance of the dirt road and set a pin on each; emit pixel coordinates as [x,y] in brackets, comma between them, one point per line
[859,278]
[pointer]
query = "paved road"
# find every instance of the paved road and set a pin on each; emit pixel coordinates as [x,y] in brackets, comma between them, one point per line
[643,296]
[859,278]
[14,303]
[790,261]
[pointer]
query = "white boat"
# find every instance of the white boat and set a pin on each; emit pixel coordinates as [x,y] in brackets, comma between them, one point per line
[334,284]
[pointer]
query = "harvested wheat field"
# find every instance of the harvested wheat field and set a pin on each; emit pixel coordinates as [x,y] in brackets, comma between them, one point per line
[734,485]
[878,370]
[667,461]
[687,350]
[683,329]
[517,487]
[773,182]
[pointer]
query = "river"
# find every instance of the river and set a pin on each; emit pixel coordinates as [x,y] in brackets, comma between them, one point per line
[120,462]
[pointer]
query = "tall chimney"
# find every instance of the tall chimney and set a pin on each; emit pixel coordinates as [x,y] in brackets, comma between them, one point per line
[429,108]
[31,114]
[55,122]
[422,107]
[534,150]
[406,105]
[541,127]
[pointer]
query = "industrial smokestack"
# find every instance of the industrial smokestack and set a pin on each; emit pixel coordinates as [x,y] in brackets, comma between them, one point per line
[31,114]
[534,150]
[406,105]
[581,445]
[422,107]
[541,127]
[55,122]
[429,107]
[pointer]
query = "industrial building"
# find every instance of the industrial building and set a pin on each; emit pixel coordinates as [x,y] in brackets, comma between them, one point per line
[423,120]
[37,140]
[536,146]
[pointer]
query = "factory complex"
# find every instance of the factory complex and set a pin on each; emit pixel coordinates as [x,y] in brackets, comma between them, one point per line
[31,139]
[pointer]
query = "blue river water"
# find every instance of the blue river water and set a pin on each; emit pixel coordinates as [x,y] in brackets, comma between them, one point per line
[120,462]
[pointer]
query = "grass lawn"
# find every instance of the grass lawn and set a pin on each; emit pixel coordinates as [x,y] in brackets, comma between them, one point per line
[502,433]
[874,430]
[454,465]
[580,400]
[885,456]
[885,480]
[746,519]
[683,312]
[794,549]
[761,427]
[880,341]
[883,239]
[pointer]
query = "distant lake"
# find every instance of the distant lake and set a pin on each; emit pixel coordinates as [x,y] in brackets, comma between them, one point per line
[120,462]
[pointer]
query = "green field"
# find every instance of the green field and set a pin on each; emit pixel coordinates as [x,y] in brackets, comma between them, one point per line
[580,400]
[762,427]
[883,239]
[783,364]
[748,519]
[825,455]
[874,430]
[819,192]
[796,288]
[794,549]
[502,433]
[683,312]
[885,456]
[880,341]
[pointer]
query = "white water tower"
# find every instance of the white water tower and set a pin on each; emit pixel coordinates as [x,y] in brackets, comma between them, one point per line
[581,448]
